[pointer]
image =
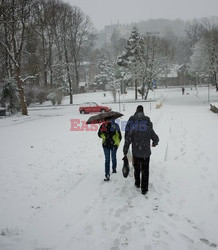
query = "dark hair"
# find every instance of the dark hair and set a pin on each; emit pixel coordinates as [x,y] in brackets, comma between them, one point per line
[139,109]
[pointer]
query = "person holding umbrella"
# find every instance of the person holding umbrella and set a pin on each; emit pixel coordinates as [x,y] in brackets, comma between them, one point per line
[110,134]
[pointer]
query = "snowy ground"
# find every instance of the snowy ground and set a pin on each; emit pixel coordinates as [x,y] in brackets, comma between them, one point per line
[53,195]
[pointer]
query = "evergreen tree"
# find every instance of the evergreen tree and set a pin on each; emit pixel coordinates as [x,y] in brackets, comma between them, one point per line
[132,58]
[106,73]
[9,96]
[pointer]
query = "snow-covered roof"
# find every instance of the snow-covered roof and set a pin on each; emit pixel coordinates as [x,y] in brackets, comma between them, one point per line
[85,63]
[173,71]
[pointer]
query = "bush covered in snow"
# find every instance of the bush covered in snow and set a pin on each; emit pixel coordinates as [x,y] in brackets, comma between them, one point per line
[9,97]
[56,97]
[35,94]
[41,95]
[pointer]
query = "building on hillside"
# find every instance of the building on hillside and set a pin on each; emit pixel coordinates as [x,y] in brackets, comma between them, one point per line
[179,75]
[82,87]
[87,75]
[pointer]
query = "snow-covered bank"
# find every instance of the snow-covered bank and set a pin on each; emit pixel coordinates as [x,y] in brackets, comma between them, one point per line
[53,195]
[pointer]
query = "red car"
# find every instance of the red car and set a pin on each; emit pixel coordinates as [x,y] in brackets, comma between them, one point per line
[92,107]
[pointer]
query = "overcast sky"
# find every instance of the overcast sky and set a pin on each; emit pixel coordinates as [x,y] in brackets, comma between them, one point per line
[104,12]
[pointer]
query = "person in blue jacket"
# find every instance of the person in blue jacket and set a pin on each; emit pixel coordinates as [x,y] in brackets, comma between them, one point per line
[139,132]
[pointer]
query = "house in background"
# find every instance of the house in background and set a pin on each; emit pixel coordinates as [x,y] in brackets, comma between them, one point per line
[87,76]
[82,87]
[179,75]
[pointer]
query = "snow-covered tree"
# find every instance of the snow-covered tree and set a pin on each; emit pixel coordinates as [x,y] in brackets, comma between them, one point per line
[106,73]
[157,58]
[144,60]
[131,59]
[117,43]
[200,59]
[14,19]
[204,60]
[114,87]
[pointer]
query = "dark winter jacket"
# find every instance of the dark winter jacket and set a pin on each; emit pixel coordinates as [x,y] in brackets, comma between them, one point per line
[139,132]
[138,116]
[110,134]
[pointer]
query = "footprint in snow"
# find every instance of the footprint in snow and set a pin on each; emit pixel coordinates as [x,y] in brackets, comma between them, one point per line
[115,248]
[124,241]
[116,245]
[155,208]
[192,223]
[138,219]
[125,228]
[118,212]
[211,196]
[174,216]
[130,205]
[207,242]
[156,234]
[147,247]
[88,230]
[115,227]
[187,238]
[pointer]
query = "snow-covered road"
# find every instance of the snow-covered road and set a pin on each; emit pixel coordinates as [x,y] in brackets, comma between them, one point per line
[53,195]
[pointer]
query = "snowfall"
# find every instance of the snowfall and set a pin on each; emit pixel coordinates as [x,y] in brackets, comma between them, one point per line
[53,195]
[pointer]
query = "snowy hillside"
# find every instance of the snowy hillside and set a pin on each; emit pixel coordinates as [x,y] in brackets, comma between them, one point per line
[53,195]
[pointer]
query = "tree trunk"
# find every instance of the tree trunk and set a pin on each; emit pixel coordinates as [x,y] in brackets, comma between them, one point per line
[44,60]
[146,93]
[143,88]
[50,66]
[70,85]
[147,90]
[76,75]
[45,76]
[215,80]
[136,89]
[23,105]
[51,76]
[68,74]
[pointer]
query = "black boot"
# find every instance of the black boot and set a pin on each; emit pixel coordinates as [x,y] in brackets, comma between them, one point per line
[144,191]
[107,178]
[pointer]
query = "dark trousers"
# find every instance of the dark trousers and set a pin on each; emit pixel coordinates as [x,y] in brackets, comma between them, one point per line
[141,172]
[107,153]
